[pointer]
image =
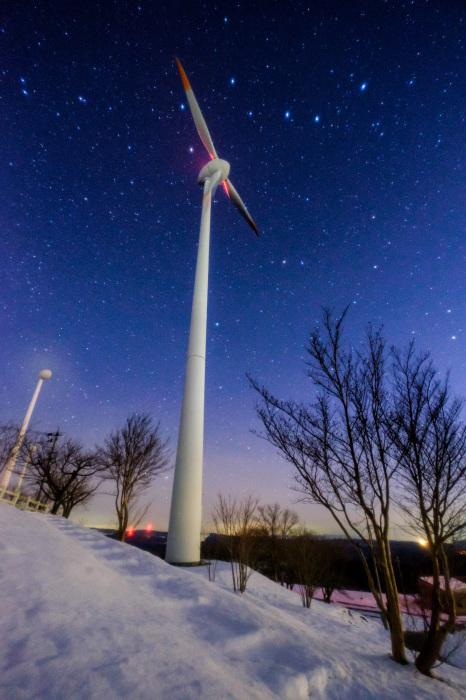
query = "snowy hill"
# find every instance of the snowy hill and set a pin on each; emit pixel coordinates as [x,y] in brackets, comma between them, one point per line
[87,617]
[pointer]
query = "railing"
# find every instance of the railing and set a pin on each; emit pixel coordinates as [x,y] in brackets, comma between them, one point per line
[15,498]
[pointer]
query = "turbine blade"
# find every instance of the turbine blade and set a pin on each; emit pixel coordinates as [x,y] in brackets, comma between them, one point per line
[199,121]
[238,203]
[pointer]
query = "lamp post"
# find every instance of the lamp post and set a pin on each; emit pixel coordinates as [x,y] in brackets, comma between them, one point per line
[43,374]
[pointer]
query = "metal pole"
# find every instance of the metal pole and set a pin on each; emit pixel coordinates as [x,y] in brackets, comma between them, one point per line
[184,530]
[43,374]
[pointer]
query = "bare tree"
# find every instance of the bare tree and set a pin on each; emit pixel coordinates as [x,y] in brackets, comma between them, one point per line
[277,521]
[342,452]
[330,557]
[275,524]
[236,520]
[131,458]
[60,472]
[307,565]
[431,442]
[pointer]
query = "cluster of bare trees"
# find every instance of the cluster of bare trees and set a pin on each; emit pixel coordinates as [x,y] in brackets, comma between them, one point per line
[55,469]
[384,430]
[270,539]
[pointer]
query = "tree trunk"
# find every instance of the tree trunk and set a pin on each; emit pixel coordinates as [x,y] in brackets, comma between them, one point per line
[327,593]
[437,633]
[396,626]
[122,523]
[435,637]
[392,610]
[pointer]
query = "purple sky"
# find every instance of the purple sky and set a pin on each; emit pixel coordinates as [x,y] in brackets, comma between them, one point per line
[344,126]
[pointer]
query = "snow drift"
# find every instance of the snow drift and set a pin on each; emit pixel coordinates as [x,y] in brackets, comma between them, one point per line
[87,617]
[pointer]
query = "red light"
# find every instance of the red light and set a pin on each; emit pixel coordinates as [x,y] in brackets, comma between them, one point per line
[149,528]
[130,531]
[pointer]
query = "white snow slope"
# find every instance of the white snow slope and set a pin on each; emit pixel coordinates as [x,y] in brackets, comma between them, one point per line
[86,617]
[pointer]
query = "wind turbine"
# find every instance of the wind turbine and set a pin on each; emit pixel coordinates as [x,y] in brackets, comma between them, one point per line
[184,530]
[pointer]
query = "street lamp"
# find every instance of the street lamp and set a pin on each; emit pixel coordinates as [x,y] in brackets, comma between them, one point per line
[43,374]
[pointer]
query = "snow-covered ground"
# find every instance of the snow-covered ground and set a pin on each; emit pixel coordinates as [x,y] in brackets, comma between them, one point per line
[83,616]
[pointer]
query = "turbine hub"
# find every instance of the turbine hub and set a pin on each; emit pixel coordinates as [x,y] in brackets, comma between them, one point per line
[212,168]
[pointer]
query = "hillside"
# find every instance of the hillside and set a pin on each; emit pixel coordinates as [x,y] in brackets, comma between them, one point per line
[87,617]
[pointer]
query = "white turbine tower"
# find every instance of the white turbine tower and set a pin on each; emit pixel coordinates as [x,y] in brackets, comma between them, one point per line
[184,531]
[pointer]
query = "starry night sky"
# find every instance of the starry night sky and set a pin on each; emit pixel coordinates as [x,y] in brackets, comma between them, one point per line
[343,123]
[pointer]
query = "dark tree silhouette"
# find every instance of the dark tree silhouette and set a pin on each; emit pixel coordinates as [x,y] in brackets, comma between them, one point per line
[330,555]
[307,564]
[60,472]
[275,524]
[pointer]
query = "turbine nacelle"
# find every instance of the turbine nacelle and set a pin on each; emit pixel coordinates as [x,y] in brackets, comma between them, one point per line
[217,165]
[213,167]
